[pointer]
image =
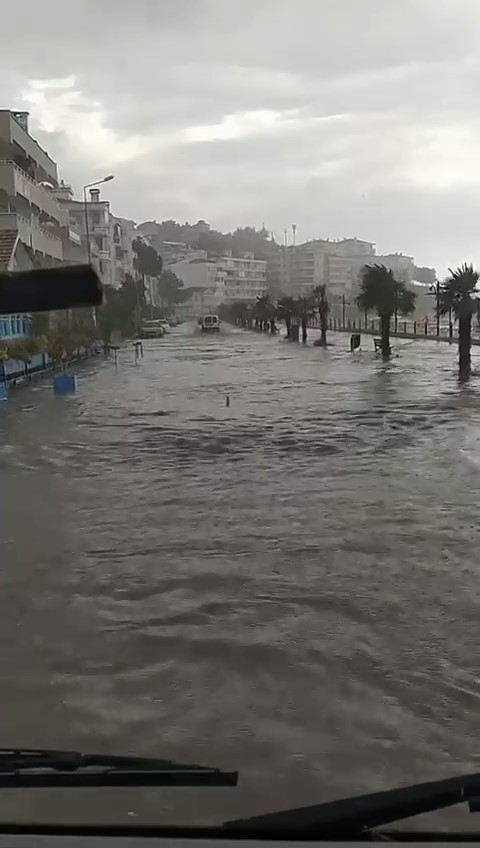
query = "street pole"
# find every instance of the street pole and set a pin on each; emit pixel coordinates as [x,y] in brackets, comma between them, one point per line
[435,290]
[343,310]
[438,308]
[85,211]
[87,230]
[152,308]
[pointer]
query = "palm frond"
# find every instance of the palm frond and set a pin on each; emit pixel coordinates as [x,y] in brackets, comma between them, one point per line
[380,292]
[459,292]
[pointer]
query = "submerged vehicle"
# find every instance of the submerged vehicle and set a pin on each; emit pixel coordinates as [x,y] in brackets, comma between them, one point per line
[210,324]
[353,820]
[153,329]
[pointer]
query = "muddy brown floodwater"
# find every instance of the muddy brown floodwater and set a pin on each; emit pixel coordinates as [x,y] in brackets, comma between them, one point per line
[288,586]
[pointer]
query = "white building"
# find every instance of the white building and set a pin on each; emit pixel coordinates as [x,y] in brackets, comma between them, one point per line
[28,206]
[401,265]
[245,277]
[335,264]
[110,238]
[228,278]
[123,235]
[99,228]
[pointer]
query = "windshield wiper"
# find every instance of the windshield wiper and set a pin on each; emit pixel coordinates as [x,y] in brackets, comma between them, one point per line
[39,768]
[354,817]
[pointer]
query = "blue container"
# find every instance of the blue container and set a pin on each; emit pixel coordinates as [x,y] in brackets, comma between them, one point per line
[64,384]
[3,391]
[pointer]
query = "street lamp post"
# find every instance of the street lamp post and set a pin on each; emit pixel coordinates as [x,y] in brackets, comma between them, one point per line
[435,290]
[85,209]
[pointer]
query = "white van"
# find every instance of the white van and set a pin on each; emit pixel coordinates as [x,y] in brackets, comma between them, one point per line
[210,324]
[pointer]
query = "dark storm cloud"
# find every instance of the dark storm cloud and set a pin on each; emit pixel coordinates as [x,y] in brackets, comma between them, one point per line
[347,116]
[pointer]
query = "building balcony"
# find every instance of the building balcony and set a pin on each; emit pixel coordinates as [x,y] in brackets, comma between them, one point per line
[96,229]
[37,238]
[14,182]
[20,138]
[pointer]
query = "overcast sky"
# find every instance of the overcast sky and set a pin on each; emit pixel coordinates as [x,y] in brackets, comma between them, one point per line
[347,117]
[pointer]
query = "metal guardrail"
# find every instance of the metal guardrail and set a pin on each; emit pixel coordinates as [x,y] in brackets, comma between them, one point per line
[402,329]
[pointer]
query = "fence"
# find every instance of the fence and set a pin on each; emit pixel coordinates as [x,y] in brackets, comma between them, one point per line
[409,329]
[14,372]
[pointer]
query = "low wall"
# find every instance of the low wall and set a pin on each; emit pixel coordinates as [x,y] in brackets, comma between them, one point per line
[15,372]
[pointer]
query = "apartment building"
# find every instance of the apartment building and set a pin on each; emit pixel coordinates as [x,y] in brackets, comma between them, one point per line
[230,278]
[27,177]
[110,238]
[13,257]
[123,235]
[402,266]
[336,264]
[245,277]
[33,229]
[278,272]
[99,227]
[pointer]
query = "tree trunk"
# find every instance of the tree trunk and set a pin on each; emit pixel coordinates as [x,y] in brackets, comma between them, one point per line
[323,329]
[464,345]
[304,329]
[288,327]
[385,334]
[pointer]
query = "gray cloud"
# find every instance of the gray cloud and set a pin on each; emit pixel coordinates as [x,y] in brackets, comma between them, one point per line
[346,116]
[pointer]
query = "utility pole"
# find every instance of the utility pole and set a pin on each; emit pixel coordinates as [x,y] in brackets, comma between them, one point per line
[435,290]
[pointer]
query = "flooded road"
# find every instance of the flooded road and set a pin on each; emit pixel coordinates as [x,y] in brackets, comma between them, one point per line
[288,586]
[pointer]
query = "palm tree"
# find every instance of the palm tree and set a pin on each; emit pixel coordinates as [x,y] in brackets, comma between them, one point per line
[238,311]
[382,293]
[305,308]
[286,309]
[264,310]
[460,292]
[321,301]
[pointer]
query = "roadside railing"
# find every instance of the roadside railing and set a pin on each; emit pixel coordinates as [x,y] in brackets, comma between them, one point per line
[408,329]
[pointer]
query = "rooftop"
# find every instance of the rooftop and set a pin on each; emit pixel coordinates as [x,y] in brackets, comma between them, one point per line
[14,114]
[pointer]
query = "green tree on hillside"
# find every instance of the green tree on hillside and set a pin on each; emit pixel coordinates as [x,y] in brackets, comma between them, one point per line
[248,239]
[170,289]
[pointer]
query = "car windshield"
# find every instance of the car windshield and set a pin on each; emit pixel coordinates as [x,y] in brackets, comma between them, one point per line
[239,520]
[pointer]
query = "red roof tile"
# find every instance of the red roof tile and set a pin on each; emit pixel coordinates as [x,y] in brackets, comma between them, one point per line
[7,244]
